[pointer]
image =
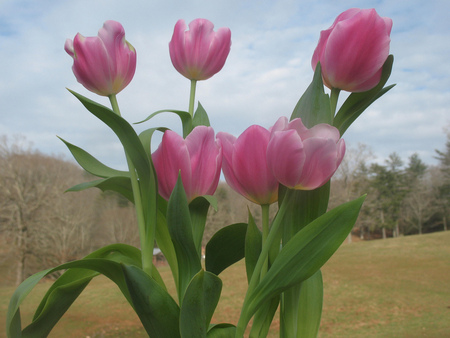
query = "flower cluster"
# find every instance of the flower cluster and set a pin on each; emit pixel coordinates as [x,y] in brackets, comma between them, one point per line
[171,188]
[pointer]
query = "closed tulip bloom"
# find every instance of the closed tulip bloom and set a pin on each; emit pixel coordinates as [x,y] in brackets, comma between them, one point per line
[104,64]
[353,50]
[245,165]
[199,53]
[198,158]
[302,158]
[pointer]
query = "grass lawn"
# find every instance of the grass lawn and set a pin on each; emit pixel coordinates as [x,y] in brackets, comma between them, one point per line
[385,288]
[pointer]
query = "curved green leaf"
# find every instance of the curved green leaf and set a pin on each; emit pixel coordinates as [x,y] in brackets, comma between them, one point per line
[356,103]
[122,185]
[310,306]
[223,330]
[253,245]
[200,301]
[146,139]
[198,209]
[66,289]
[185,117]
[180,229]
[225,248]
[305,254]
[314,105]
[91,164]
[200,117]
[135,152]
[158,312]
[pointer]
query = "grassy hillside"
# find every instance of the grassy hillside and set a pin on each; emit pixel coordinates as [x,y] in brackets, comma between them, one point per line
[386,288]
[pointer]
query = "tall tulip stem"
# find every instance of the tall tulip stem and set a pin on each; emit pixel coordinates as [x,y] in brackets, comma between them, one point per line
[276,226]
[192,97]
[334,99]
[146,243]
[265,234]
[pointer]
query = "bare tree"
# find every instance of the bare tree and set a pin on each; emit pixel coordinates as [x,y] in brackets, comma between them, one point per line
[40,221]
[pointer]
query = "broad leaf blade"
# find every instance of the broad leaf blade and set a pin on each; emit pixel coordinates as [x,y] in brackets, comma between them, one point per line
[180,229]
[91,164]
[310,306]
[306,252]
[67,288]
[198,209]
[356,103]
[156,309]
[314,105]
[253,245]
[200,301]
[223,330]
[200,117]
[225,248]
[121,185]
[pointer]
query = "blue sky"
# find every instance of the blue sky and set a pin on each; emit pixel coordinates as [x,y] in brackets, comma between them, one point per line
[268,68]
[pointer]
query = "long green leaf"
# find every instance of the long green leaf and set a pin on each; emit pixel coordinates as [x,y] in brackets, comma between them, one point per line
[200,117]
[91,164]
[67,288]
[180,229]
[198,209]
[223,330]
[135,152]
[356,103]
[314,105]
[122,185]
[225,248]
[200,301]
[146,139]
[158,312]
[253,245]
[310,306]
[305,253]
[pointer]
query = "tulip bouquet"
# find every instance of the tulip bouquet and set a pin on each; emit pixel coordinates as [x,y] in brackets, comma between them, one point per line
[172,188]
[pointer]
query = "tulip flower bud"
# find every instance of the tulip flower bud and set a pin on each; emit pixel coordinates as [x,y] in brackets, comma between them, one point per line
[199,53]
[302,158]
[245,165]
[104,64]
[198,158]
[353,50]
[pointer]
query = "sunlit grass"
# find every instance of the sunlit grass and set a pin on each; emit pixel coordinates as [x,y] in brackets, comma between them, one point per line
[385,288]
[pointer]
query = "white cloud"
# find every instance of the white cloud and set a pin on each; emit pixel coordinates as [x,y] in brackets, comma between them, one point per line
[267,70]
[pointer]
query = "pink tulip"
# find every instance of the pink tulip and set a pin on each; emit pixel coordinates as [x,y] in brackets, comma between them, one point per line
[104,64]
[353,50]
[302,158]
[200,52]
[245,165]
[198,158]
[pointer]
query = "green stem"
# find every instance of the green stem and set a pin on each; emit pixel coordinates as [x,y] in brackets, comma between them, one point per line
[187,127]
[146,240]
[265,234]
[192,97]
[334,99]
[277,222]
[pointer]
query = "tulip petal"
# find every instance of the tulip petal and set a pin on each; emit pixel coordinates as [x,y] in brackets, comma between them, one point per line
[171,158]
[250,165]
[199,53]
[321,130]
[320,164]
[104,64]
[286,157]
[205,159]
[353,50]
[227,141]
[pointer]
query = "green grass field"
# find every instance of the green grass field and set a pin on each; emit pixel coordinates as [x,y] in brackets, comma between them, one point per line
[385,288]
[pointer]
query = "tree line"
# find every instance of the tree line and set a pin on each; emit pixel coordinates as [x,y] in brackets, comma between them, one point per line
[41,226]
